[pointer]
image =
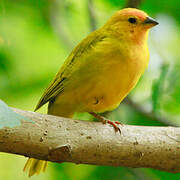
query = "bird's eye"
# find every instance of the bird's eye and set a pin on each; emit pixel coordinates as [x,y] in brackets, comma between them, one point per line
[132,20]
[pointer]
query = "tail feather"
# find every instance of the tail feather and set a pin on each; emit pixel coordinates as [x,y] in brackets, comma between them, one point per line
[35,166]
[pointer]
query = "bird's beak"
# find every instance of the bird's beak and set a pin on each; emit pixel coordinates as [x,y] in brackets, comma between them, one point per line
[150,21]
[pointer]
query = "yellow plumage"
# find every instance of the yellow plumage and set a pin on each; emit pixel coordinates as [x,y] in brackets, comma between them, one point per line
[35,166]
[100,71]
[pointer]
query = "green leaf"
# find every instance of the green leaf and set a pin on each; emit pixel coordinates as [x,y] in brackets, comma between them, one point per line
[8,118]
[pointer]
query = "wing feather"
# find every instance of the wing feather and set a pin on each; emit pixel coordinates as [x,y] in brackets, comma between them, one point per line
[56,87]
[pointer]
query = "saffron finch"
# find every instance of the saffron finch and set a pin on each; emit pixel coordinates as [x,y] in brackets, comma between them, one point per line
[100,71]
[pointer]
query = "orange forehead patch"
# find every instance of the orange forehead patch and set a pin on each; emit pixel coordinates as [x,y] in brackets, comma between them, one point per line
[133,12]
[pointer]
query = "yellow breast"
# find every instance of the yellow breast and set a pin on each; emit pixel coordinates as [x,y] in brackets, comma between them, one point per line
[117,77]
[105,78]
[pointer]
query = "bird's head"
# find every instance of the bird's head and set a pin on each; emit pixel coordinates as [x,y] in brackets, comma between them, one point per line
[130,24]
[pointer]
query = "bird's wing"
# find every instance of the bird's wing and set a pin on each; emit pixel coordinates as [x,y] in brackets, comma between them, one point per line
[56,87]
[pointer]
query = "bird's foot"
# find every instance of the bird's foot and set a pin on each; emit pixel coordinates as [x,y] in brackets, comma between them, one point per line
[104,121]
[114,124]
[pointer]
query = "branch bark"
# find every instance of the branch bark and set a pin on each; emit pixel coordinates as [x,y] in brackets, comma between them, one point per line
[60,140]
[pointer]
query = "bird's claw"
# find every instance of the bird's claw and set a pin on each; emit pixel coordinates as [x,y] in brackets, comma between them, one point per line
[104,121]
[114,124]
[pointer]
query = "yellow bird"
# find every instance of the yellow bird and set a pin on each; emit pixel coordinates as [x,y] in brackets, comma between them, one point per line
[100,71]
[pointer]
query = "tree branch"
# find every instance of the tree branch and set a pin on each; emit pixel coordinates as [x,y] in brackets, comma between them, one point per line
[91,13]
[65,140]
[148,115]
[133,3]
[52,16]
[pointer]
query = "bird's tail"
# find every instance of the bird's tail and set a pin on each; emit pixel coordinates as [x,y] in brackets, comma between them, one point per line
[35,166]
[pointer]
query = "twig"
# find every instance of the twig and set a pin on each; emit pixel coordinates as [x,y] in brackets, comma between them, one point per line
[55,20]
[133,3]
[60,140]
[148,115]
[91,13]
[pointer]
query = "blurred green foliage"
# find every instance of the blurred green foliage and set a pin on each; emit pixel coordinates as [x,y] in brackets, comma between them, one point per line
[35,38]
[158,88]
